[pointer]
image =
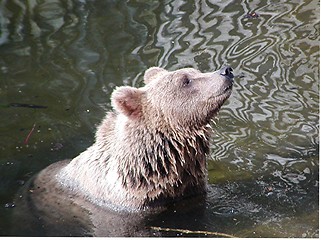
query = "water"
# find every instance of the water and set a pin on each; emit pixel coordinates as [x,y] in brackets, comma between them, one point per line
[67,56]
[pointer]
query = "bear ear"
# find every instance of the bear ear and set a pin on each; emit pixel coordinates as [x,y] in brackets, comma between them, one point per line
[127,100]
[151,73]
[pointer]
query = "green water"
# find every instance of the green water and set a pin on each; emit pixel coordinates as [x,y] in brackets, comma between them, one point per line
[60,61]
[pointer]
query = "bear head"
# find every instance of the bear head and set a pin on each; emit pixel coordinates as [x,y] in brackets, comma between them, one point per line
[174,100]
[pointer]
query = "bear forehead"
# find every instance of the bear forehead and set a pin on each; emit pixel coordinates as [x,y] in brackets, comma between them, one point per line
[177,74]
[187,70]
[183,71]
[158,73]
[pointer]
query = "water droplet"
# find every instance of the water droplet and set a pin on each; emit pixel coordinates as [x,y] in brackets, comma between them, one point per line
[9,205]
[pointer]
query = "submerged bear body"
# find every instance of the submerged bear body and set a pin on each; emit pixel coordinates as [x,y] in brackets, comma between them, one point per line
[149,151]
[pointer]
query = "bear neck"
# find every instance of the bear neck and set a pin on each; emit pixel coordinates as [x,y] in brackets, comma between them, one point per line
[164,165]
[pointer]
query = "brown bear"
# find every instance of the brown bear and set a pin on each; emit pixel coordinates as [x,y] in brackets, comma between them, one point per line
[150,150]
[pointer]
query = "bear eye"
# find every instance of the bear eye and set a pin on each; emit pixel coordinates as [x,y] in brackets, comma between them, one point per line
[186,81]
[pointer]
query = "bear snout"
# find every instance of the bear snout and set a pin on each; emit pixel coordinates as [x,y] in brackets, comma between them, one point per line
[227,72]
[223,81]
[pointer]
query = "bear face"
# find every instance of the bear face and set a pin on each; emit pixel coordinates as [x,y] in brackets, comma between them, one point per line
[177,100]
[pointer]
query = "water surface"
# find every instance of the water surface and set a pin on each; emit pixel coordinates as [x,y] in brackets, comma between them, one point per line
[60,61]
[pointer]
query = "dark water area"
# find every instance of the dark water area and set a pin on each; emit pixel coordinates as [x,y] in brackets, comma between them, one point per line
[61,60]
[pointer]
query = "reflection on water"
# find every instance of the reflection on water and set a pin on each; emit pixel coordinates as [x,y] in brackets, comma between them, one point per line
[69,55]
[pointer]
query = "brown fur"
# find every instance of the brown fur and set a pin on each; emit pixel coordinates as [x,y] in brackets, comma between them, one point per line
[152,148]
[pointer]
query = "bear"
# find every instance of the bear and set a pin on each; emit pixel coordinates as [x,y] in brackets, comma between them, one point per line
[149,151]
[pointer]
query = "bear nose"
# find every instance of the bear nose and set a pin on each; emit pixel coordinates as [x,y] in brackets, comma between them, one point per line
[227,72]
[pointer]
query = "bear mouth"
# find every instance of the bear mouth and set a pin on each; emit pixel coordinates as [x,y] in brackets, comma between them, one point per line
[226,91]
[219,100]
